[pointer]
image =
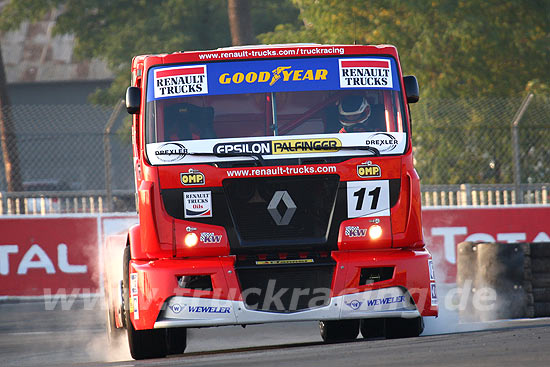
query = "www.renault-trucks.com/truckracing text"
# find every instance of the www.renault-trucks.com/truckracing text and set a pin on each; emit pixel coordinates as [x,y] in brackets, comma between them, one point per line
[273,184]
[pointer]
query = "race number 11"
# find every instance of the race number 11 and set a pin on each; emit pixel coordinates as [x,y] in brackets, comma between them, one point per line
[368,198]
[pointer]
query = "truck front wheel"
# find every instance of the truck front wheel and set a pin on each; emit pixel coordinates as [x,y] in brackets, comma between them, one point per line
[143,343]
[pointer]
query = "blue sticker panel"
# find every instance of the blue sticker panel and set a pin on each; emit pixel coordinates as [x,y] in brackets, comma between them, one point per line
[261,76]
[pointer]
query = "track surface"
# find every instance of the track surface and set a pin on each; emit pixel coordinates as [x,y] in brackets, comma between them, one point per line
[31,335]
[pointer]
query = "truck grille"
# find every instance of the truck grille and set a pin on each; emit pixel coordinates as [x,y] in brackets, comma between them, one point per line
[286,289]
[282,208]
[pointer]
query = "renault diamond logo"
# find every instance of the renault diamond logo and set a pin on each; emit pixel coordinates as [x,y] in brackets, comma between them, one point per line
[274,203]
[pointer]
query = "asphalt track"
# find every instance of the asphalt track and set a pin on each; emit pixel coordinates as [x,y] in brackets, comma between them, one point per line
[38,334]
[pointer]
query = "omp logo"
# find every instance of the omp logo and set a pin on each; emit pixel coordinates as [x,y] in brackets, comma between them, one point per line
[384,142]
[284,73]
[171,152]
[191,178]
[368,169]
[305,146]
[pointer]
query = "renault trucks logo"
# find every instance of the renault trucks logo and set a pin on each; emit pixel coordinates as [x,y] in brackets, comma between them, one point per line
[171,152]
[193,177]
[180,81]
[281,73]
[197,204]
[361,73]
[384,142]
[288,212]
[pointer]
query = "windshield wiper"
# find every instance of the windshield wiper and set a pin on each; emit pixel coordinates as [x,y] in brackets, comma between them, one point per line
[257,156]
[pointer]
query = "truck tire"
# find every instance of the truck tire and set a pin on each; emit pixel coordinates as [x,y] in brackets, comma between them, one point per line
[373,328]
[404,328]
[176,340]
[339,330]
[143,343]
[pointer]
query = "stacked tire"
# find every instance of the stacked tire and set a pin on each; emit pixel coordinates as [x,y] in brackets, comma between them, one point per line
[518,272]
[537,278]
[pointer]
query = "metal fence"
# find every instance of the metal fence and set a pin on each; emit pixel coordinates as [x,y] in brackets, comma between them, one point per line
[77,158]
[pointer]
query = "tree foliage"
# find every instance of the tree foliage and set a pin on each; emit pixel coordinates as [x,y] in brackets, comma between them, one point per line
[475,61]
[117,30]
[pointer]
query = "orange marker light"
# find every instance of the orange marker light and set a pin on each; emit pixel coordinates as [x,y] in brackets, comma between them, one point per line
[375,232]
[191,239]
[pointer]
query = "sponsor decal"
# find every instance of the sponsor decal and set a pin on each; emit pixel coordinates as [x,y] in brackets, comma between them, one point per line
[433,294]
[431,269]
[171,152]
[384,301]
[136,307]
[355,231]
[256,147]
[209,237]
[283,73]
[180,81]
[368,198]
[176,308]
[281,262]
[197,204]
[209,309]
[192,178]
[133,284]
[361,73]
[384,142]
[305,146]
[354,305]
[368,169]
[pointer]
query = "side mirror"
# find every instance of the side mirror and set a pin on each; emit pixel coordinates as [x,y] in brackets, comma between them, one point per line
[411,88]
[133,100]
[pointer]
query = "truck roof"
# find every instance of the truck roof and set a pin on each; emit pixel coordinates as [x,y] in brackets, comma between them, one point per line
[262,52]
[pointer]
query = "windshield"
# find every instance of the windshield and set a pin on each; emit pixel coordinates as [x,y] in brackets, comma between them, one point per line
[273,98]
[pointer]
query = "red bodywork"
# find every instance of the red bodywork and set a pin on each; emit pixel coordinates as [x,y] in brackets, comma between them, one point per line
[159,254]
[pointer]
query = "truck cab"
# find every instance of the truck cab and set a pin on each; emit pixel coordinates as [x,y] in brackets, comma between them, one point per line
[273,184]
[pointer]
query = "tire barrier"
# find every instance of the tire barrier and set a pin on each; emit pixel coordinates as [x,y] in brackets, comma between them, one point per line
[503,280]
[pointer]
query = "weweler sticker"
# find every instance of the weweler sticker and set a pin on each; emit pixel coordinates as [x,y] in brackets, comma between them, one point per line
[197,204]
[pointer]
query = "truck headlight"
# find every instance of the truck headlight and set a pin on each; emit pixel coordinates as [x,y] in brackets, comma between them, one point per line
[375,232]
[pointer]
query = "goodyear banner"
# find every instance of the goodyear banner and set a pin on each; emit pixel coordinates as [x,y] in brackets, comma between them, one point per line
[262,76]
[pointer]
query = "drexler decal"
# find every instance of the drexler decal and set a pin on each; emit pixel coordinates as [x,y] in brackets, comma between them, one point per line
[192,178]
[171,152]
[384,142]
[368,169]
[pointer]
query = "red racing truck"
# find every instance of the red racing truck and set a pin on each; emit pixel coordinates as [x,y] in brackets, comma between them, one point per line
[273,184]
